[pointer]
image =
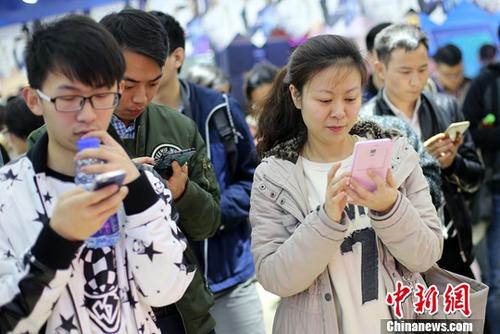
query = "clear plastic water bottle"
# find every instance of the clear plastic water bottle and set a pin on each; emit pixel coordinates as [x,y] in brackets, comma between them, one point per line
[109,233]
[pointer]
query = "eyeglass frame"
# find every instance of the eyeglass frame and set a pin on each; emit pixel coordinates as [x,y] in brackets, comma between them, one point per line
[52,100]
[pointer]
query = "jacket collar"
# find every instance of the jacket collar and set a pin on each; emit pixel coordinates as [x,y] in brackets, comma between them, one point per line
[290,149]
[37,154]
[427,113]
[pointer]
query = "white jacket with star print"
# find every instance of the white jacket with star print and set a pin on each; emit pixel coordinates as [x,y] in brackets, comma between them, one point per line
[51,285]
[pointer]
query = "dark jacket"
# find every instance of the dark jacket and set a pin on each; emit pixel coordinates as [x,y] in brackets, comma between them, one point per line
[465,174]
[227,259]
[482,99]
[161,128]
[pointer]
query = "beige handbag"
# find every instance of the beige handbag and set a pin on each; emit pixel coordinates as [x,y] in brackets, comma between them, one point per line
[441,278]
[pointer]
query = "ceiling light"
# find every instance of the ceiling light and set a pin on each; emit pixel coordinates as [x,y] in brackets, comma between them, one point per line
[30,2]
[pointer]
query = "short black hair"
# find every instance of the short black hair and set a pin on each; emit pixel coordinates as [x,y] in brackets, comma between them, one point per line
[370,36]
[487,52]
[19,119]
[449,55]
[176,35]
[79,48]
[138,31]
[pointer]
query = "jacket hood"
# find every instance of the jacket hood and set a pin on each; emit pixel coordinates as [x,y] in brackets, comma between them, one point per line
[290,149]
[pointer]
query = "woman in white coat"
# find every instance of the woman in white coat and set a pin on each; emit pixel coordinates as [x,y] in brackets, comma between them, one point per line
[329,247]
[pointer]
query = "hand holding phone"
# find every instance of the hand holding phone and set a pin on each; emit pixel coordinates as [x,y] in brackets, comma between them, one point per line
[456,128]
[105,179]
[374,155]
[451,132]
[164,164]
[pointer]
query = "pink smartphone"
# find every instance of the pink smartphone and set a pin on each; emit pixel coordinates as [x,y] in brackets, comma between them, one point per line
[371,154]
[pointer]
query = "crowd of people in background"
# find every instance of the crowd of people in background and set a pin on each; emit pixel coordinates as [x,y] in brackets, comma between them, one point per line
[267,196]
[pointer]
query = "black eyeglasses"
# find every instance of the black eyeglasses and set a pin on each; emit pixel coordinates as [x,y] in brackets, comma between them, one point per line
[74,103]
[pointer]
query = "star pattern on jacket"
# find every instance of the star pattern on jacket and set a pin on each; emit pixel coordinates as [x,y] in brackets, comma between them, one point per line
[67,324]
[10,176]
[188,268]
[42,218]
[176,232]
[8,254]
[69,321]
[149,251]
[131,299]
[141,292]
[47,198]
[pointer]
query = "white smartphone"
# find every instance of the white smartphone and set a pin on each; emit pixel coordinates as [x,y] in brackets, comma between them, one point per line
[105,179]
[373,155]
[456,128]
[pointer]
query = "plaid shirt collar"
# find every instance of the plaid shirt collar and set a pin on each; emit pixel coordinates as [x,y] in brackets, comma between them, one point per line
[125,132]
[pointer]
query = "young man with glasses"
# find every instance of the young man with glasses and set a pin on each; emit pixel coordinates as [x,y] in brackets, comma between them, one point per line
[150,131]
[50,281]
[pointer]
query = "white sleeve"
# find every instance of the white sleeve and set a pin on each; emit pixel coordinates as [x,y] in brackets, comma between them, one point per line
[155,245]
[31,284]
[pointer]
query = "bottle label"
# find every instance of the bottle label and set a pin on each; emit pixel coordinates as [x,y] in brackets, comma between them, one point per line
[110,227]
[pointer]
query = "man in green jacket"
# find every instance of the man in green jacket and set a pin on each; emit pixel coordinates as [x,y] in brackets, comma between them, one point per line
[149,130]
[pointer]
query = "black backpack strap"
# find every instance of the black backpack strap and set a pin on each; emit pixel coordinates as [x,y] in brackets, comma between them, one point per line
[224,125]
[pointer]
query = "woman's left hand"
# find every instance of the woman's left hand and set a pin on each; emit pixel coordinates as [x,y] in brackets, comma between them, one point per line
[382,199]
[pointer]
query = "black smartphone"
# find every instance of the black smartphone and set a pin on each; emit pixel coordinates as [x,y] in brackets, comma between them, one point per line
[105,179]
[164,164]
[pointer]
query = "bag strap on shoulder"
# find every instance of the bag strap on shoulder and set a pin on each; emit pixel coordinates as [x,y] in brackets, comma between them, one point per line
[225,127]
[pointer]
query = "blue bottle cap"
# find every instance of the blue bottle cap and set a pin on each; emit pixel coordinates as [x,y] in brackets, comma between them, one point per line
[89,142]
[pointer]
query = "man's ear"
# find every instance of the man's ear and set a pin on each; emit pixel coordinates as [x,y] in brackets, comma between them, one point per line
[121,86]
[380,68]
[32,101]
[179,55]
[296,98]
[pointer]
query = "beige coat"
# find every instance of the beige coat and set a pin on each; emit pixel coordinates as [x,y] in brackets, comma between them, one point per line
[292,243]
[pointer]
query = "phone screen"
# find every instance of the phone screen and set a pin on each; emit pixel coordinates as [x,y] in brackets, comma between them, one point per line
[373,155]
[457,128]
